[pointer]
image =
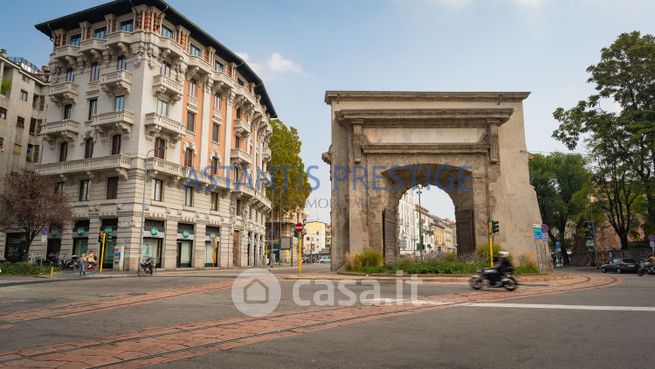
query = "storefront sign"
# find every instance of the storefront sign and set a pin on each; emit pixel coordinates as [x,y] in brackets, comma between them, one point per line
[81,231]
[154,231]
[108,229]
[185,234]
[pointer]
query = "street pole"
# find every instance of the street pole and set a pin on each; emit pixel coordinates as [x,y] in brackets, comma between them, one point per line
[491,243]
[270,241]
[420,222]
[593,234]
[143,210]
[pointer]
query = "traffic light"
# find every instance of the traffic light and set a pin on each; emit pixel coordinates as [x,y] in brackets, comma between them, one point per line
[495,227]
[100,237]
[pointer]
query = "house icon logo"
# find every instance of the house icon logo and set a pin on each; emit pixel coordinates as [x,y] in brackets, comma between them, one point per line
[256,292]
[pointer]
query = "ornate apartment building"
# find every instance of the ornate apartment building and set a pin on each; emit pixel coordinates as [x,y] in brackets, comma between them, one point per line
[143,99]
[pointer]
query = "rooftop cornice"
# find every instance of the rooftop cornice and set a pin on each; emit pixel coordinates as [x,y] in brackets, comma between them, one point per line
[499,96]
[446,117]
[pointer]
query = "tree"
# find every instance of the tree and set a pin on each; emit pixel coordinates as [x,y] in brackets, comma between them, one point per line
[625,74]
[29,202]
[287,169]
[562,183]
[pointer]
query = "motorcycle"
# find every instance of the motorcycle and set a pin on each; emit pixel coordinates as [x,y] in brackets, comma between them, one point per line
[482,279]
[645,268]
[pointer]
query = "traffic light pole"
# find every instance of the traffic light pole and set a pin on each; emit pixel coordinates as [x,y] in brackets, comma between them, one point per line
[102,250]
[491,243]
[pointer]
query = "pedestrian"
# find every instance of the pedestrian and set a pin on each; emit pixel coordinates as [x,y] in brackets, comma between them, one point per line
[82,262]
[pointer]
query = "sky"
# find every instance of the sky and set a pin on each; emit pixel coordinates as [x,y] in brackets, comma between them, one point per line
[302,48]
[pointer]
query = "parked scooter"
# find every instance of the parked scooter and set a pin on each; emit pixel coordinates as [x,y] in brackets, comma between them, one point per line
[483,279]
[645,267]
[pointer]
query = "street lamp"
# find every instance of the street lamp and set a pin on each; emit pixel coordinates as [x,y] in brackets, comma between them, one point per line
[419,190]
[143,208]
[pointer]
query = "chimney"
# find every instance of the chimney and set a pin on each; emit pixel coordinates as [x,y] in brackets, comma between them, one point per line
[3,53]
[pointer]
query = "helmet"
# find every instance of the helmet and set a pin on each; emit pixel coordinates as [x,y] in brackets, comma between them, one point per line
[503,254]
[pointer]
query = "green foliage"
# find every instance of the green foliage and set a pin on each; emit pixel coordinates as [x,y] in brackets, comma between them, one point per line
[23,268]
[287,169]
[562,183]
[370,258]
[526,266]
[482,252]
[5,87]
[621,144]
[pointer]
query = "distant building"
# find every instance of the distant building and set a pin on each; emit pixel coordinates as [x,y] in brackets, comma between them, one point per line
[450,236]
[23,87]
[407,223]
[315,237]
[328,237]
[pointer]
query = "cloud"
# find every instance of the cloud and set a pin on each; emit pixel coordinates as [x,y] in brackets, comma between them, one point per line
[454,4]
[273,66]
[527,3]
[461,4]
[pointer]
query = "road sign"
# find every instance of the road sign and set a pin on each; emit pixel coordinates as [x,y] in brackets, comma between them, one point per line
[651,238]
[44,230]
[44,238]
[558,246]
[299,227]
[544,228]
[536,229]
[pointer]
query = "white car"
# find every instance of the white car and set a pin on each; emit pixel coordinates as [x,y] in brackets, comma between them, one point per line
[326,259]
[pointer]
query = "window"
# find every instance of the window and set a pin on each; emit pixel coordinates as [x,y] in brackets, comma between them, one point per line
[20,122]
[217,101]
[38,126]
[166,32]
[100,32]
[195,50]
[236,174]
[238,207]
[215,132]
[3,113]
[18,149]
[237,142]
[88,148]
[127,25]
[112,188]
[157,186]
[70,75]
[188,196]
[160,148]
[35,101]
[84,190]
[162,108]
[214,166]
[119,103]
[63,151]
[75,39]
[214,201]
[93,108]
[218,66]
[32,127]
[190,121]
[121,63]
[59,187]
[2,143]
[116,144]
[68,110]
[23,95]
[240,82]
[165,69]
[188,158]
[193,88]
[95,71]
[238,113]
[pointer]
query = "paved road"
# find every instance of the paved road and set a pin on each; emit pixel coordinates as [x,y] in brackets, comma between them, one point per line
[98,316]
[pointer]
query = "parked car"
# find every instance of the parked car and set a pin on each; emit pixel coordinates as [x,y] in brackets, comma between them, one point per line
[325,259]
[620,265]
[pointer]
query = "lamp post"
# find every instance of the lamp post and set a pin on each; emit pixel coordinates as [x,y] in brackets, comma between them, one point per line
[143,208]
[419,190]
[593,231]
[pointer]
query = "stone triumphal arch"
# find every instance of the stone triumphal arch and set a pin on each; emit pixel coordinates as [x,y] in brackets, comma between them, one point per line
[470,144]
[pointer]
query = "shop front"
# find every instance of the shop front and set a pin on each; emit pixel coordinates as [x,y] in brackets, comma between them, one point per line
[80,237]
[185,237]
[110,227]
[153,241]
[53,243]
[212,246]
[15,247]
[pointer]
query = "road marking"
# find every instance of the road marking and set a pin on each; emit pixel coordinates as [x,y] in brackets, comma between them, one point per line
[563,307]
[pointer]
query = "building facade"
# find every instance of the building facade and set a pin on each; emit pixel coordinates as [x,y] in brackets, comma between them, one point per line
[280,229]
[315,237]
[147,108]
[407,223]
[22,112]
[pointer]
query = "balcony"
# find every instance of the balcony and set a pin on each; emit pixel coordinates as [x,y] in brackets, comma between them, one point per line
[93,46]
[65,92]
[116,82]
[65,129]
[217,115]
[192,102]
[241,127]
[66,53]
[266,153]
[180,172]
[239,156]
[221,80]
[169,47]
[196,66]
[156,123]
[164,86]
[121,121]
[114,162]
[244,96]
[120,40]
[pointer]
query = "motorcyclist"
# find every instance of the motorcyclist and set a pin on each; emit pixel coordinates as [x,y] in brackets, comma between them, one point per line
[502,267]
[147,265]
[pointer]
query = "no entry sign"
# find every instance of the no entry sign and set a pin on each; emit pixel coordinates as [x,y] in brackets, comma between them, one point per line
[299,227]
